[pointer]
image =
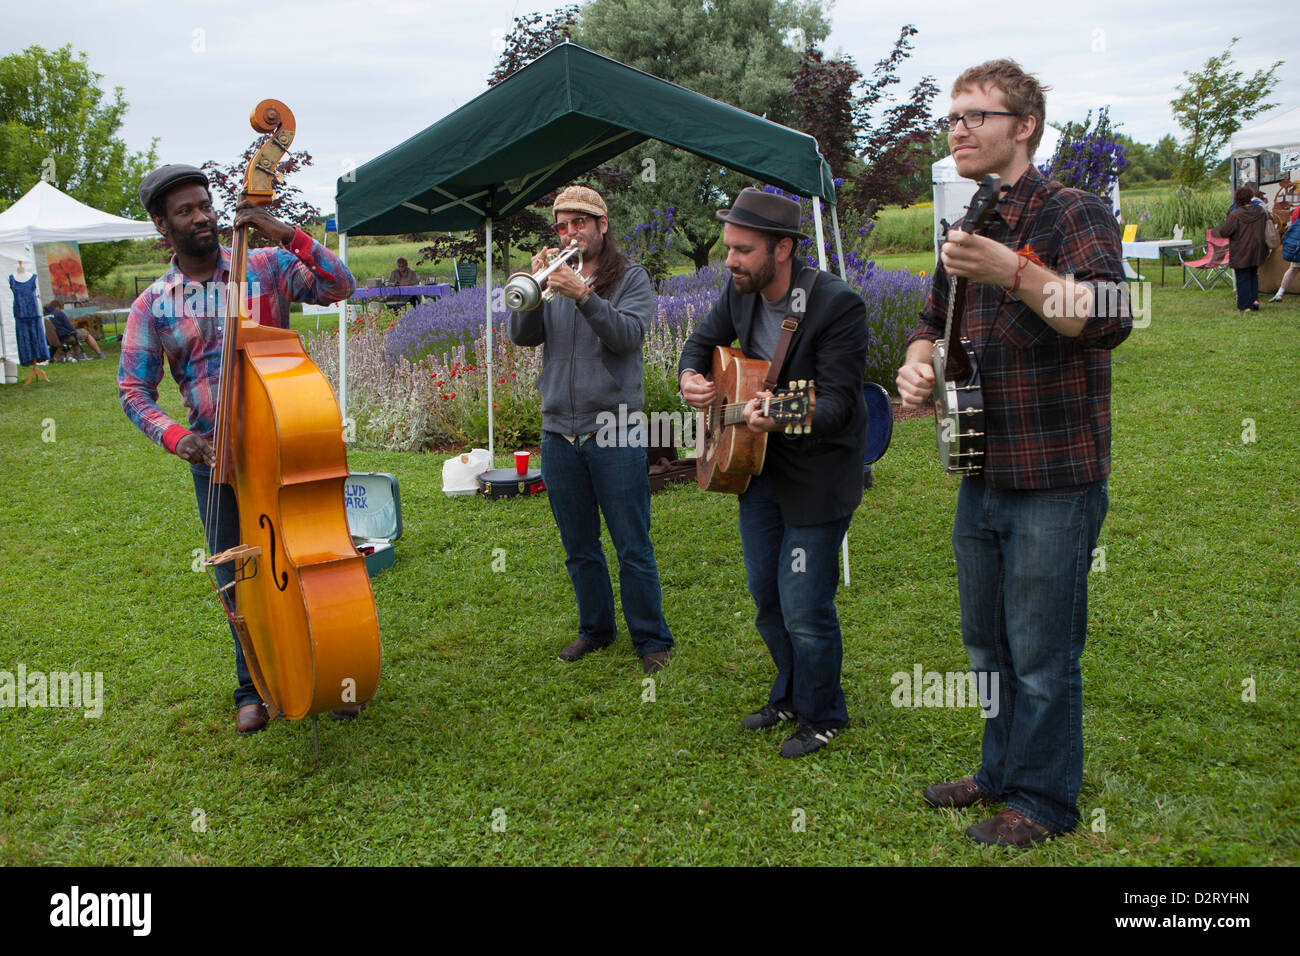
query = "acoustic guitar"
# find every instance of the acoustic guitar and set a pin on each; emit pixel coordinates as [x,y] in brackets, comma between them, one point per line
[729,454]
[958,398]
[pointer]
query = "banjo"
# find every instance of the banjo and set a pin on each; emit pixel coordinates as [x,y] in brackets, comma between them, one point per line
[958,399]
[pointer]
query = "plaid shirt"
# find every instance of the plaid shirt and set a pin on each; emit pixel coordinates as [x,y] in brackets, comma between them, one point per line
[1046,396]
[182,321]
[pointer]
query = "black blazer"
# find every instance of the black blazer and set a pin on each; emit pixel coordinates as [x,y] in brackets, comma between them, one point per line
[817,477]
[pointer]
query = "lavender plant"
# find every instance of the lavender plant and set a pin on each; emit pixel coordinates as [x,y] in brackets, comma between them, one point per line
[419,381]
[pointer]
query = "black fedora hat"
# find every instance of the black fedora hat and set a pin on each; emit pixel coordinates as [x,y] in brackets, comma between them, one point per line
[766,212]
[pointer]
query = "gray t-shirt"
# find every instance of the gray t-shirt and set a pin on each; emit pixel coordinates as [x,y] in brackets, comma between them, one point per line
[768,331]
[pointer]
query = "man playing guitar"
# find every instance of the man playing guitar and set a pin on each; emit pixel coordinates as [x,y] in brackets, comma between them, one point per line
[1041,315]
[796,511]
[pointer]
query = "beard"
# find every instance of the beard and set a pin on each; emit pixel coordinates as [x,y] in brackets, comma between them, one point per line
[747,282]
[197,243]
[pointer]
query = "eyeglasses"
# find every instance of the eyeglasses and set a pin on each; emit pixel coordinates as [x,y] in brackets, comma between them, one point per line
[975,118]
[577,223]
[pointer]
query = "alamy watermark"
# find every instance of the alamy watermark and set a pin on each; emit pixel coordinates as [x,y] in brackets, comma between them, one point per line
[71,689]
[638,430]
[1110,300]
[923,688]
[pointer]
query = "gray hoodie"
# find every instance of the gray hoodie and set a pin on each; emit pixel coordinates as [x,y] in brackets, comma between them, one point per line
[591,359]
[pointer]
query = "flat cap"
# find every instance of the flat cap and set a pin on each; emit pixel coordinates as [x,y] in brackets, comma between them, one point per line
[165,178]
[580,199]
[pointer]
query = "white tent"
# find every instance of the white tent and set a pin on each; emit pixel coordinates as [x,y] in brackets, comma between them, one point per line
[45,214]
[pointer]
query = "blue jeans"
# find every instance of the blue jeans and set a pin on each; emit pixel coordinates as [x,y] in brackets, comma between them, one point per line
[792,574]
[583,482]
[1022,573]
[223,534]
[1247,281]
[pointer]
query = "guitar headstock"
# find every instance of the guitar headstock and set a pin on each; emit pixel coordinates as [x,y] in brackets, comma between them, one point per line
[982,204]
[792,406]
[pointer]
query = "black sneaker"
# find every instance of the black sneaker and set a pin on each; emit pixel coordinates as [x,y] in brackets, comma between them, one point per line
[766,716]
[807,740]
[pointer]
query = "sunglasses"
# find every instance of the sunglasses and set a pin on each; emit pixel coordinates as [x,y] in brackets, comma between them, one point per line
[577,223]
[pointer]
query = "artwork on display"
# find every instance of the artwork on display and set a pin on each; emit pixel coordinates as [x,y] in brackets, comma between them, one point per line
[61,272]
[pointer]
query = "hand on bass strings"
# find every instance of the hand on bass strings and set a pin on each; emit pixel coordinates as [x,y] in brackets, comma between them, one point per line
[257,217]
[196,451]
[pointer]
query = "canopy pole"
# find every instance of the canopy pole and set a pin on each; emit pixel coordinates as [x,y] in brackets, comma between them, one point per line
[487,297]
[343,339]
[821,259]
[821,235]
[839,245]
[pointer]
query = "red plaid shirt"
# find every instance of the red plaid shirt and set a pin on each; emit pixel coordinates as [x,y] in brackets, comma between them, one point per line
[1046,396]
[177,324]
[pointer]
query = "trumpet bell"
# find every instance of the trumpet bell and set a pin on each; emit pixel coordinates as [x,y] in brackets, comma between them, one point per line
[522,292]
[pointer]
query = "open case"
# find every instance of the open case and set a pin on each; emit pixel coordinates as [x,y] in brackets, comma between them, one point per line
[374,507]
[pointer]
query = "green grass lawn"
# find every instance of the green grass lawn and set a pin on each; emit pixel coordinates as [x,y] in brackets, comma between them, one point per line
[476,721]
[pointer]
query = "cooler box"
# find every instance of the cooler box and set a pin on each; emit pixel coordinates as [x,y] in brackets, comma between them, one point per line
[374,508]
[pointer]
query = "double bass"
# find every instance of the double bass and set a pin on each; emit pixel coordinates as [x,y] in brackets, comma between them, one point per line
[301,602]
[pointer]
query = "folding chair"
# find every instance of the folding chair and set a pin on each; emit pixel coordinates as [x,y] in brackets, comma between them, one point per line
[466,274]
[1213,264]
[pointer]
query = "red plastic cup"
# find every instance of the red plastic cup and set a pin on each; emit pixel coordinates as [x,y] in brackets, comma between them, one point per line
[521,462]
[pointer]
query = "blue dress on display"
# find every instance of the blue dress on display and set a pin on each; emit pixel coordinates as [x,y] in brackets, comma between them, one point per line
[32,346]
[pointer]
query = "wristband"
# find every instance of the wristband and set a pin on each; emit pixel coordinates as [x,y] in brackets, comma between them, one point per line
[1024,261]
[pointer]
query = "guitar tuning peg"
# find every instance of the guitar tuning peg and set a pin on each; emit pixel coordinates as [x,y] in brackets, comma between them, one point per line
[791,385]
[803,383]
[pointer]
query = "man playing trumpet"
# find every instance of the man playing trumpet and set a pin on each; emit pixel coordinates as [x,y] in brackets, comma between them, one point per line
[591,332]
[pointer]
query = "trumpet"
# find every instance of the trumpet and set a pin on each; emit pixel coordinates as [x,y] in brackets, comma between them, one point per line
[523,292]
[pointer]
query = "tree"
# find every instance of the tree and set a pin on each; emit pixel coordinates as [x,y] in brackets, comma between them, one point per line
[1214,103]
[894,149]
[57,125]
[227,181]
[742,52]
[885,161]
[530,37]
[827,111]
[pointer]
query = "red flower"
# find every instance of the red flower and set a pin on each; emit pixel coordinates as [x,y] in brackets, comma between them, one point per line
[453,394]
[503,380]
[513,374]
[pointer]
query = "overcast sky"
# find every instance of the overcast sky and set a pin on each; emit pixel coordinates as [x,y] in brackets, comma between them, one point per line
[362,77]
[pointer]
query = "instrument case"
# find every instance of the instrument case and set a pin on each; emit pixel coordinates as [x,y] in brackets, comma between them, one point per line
[374,506]
[507,483]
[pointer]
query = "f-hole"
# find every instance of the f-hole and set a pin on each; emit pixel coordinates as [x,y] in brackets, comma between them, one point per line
[282,579]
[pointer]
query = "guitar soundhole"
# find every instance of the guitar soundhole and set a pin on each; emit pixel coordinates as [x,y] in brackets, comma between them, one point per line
[282,578]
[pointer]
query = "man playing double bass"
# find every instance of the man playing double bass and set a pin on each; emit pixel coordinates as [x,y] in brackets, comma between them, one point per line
[1042,314]
[179,321]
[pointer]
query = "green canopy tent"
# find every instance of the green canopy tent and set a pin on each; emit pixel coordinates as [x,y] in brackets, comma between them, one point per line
[563,114]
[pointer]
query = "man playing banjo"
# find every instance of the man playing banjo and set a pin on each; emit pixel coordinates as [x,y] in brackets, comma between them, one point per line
[1041,315]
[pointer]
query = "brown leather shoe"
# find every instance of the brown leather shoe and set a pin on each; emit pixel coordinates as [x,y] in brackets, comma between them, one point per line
[250,718]
[1009,828]
[959,794]
[655,661]
[578,647]
[347,713]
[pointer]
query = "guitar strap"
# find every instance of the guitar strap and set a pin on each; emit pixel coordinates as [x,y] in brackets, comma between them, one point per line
[790,324]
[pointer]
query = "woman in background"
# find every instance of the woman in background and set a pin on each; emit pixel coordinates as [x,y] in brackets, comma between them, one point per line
[1244,230]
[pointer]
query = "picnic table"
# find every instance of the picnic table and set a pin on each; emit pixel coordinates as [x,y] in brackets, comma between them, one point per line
[402,291]
[1154,249]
